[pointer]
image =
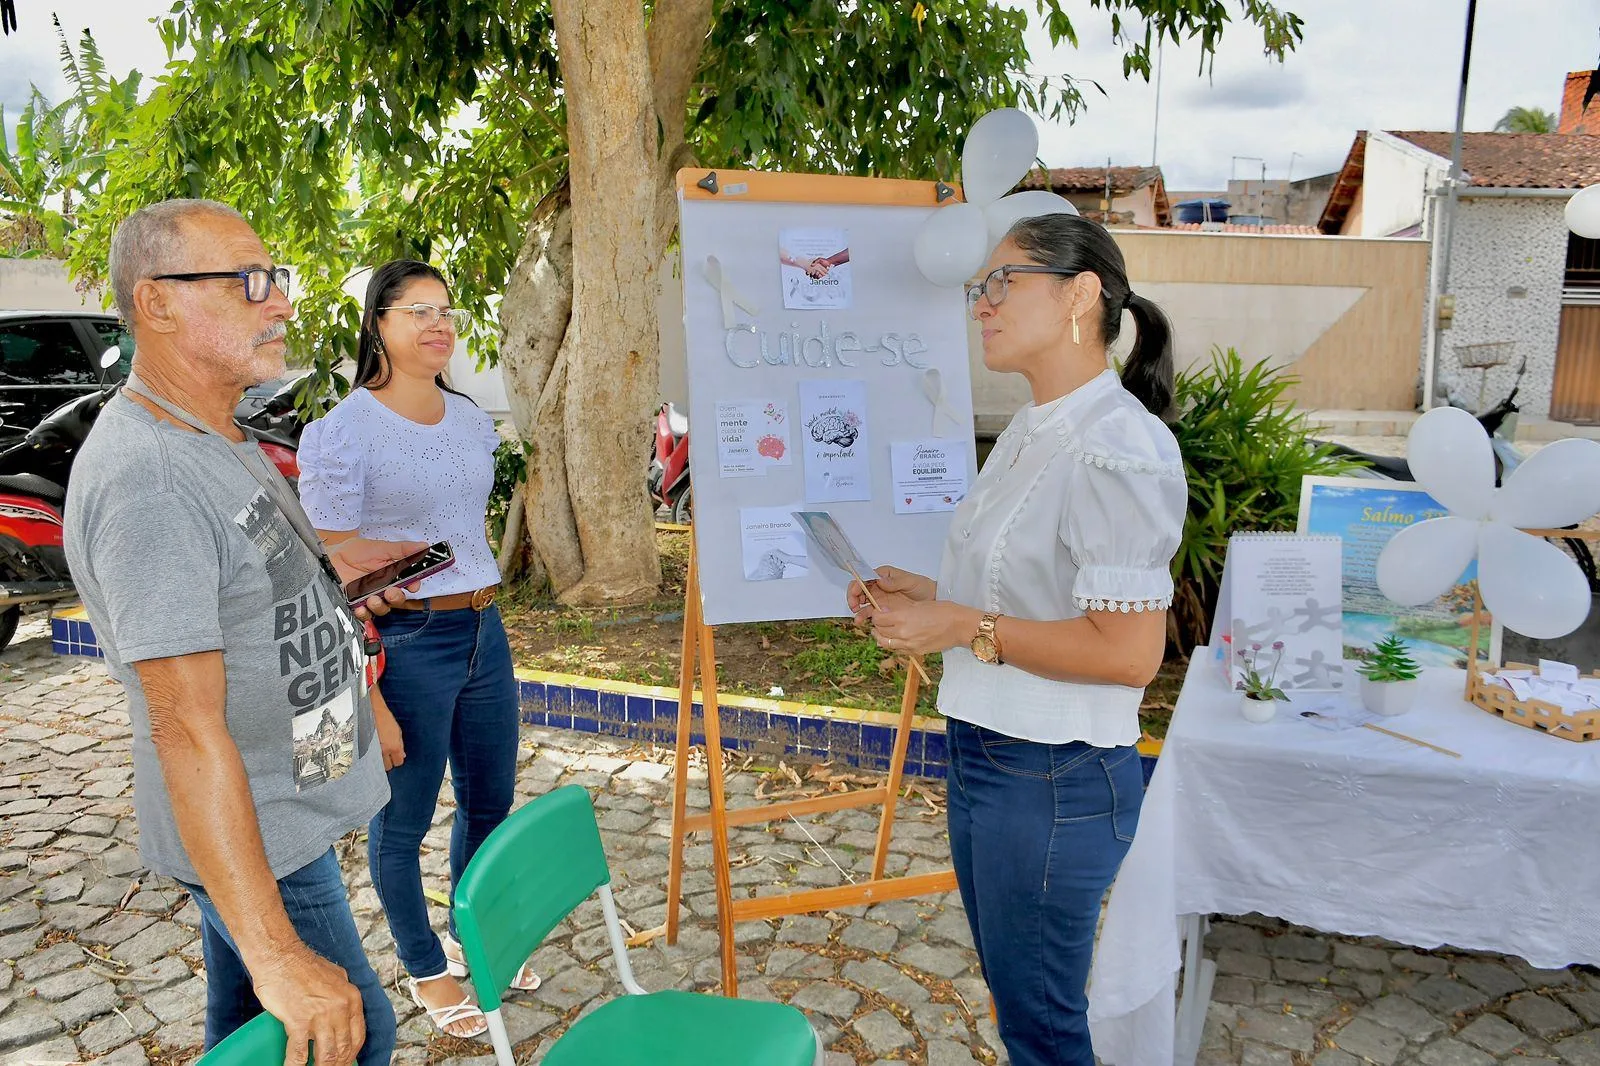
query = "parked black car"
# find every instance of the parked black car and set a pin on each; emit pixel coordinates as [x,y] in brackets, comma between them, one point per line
[48,357]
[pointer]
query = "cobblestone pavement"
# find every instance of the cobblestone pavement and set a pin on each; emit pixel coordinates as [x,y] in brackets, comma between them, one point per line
[101,958]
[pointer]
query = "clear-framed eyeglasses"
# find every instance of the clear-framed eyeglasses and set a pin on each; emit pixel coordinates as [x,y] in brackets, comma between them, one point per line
[426,316]
[258,281]
[995,285]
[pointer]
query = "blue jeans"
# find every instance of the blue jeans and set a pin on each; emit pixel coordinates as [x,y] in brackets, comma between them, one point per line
[448,680]
[1037,832]
[319,909]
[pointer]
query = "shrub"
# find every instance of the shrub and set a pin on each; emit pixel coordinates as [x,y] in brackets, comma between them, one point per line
[510,466]
[1245,450]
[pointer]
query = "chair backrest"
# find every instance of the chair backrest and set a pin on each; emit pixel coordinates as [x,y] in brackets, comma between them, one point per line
[534,870]
[259,1042]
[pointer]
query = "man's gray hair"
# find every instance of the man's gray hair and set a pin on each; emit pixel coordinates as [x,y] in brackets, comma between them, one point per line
[151,241]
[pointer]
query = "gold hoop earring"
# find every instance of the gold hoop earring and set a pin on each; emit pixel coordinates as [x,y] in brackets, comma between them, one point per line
[1076,339]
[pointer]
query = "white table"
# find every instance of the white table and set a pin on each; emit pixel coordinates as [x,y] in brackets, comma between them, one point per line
[1350,832]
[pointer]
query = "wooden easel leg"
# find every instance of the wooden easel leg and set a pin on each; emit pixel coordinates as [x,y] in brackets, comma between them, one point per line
[897,765]
[680,766]
[712,718]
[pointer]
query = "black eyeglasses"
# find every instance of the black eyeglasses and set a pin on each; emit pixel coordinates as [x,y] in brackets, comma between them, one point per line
[258,281]
[994,286]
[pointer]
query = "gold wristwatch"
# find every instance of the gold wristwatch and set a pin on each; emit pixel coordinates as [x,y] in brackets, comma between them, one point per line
[986,645]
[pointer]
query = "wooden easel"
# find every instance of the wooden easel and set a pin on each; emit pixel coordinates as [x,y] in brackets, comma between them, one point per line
[699,649]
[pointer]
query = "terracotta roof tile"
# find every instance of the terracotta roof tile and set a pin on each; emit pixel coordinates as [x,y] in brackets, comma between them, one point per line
[1519,160]
[1092,179]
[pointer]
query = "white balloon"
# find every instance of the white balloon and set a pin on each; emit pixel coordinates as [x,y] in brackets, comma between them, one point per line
[1450,457]
[1583,213]
[952,244]
[1559,485]
[1031,203]
[1423,562]
[1529,584]
[1000,149]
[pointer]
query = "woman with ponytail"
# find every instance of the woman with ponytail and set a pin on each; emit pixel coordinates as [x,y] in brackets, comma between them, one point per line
[1050,609]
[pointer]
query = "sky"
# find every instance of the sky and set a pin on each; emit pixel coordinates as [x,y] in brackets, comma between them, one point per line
[1364,64]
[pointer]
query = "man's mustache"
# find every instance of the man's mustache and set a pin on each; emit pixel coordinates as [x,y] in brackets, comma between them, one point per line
[274,332]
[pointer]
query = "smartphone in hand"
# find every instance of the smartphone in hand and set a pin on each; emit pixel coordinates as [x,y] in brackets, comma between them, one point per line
[412,568]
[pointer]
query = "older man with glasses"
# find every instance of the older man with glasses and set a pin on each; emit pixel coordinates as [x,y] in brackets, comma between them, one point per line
[253,738]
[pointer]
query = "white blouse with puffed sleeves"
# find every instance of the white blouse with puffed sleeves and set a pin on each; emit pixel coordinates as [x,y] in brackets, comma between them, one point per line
[1079,508]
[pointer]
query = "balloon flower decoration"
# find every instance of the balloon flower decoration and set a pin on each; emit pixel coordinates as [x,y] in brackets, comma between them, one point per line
[1583,213]
[1527,583]
[954,242]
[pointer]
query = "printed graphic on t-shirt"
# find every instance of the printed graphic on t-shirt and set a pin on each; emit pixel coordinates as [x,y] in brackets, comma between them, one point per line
[290,564]
[319,651]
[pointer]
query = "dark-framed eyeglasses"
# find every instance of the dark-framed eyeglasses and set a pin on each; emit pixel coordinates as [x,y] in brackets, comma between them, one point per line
[258,281]
[426,315]
[994,286]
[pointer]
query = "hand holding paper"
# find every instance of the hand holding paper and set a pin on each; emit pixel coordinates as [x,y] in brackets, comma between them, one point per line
[836,549]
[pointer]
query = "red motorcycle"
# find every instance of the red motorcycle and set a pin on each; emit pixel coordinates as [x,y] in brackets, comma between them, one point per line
[667,478]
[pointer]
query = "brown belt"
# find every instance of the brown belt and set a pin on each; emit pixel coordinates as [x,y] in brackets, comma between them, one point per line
[460,601]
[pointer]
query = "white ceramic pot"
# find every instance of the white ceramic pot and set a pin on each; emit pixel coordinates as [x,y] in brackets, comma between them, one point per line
[1258,711]
[1388,698]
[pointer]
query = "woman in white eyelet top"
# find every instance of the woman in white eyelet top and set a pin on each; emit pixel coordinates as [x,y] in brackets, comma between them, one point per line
[1050,610]
[403,453]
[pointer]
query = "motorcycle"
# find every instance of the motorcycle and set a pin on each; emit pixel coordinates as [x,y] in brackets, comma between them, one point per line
[33,496]
[1500,423]
[667,476]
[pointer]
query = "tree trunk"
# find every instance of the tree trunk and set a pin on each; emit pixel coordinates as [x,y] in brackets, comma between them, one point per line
[534,315]
[611,344]
[620,355]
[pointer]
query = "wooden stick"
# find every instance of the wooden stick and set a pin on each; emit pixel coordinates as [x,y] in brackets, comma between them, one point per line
[711,721]
[1565,534]
[897,762]
[822,899]
[1411,740]
[910,661]
[680,763]
[773,812]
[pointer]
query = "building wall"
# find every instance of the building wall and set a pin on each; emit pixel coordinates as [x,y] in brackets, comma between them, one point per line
[1395,184]
[1507,263]
[1355,218]
[1140,204]
[41,285]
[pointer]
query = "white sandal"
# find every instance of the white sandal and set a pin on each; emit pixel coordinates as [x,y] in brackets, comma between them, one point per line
[442,1017]
[455,962]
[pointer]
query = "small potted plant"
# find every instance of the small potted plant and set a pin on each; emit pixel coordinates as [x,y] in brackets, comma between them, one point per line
[1261,692]
[1389,678]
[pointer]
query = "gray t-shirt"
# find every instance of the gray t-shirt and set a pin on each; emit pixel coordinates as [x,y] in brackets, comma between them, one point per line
[177,549]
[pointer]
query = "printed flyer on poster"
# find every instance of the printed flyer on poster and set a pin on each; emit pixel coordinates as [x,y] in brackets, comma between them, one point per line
[774,544]
[1366,513]
[815,267]
[929,475]
[752,435]
[833,428]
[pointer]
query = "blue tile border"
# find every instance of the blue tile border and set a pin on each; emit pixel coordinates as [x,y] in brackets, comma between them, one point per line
[848,738]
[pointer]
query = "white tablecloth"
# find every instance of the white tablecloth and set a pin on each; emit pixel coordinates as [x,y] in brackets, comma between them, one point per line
[1350,832]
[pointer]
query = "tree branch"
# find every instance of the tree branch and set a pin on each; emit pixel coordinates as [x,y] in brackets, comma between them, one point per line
[677,36]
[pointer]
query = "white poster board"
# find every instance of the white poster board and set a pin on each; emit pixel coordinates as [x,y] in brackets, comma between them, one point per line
[802,387]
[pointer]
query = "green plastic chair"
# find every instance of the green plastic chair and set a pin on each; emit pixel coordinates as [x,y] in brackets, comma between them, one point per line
[534,870]
[260,1041]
